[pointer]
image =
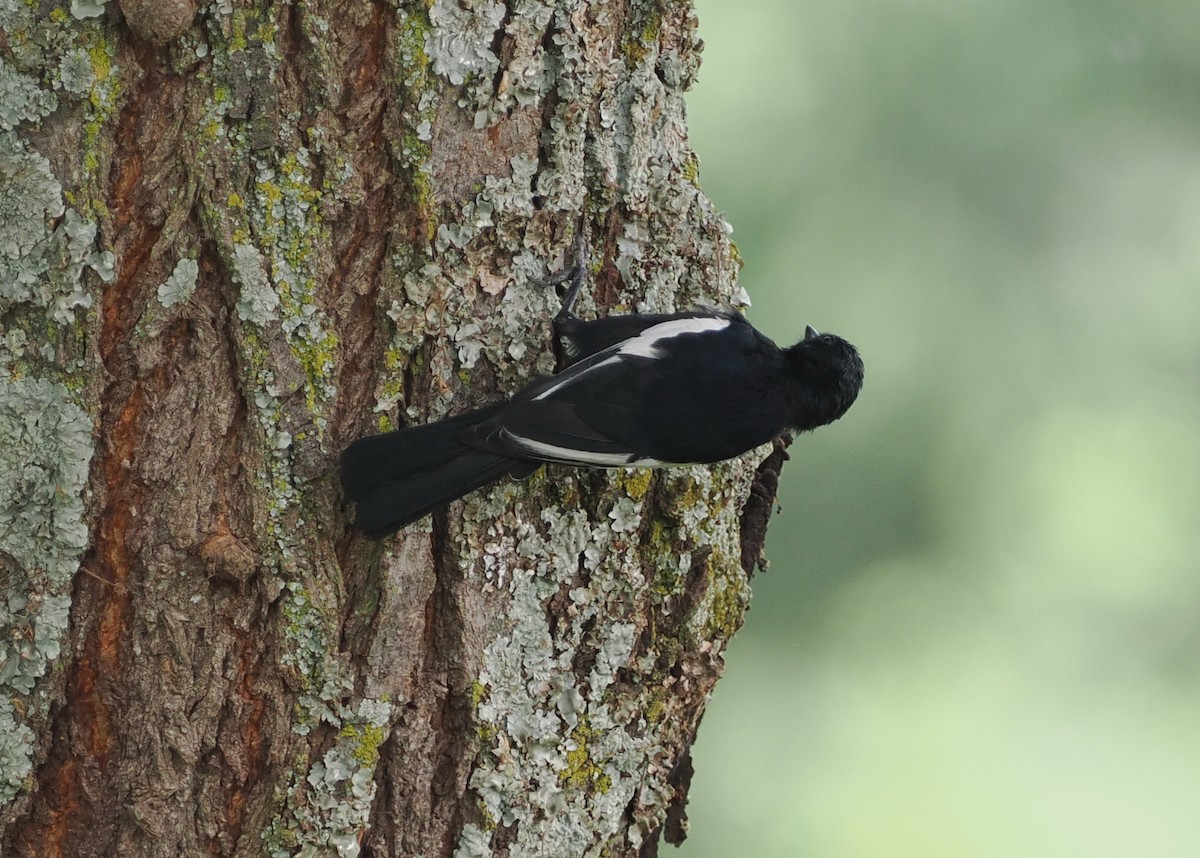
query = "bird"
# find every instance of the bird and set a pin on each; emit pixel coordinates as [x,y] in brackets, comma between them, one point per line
[637,390]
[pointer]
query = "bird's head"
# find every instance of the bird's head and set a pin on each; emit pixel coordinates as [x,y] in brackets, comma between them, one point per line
[831,373]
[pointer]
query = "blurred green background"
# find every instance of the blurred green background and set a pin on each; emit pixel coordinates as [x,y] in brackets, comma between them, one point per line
[979,633]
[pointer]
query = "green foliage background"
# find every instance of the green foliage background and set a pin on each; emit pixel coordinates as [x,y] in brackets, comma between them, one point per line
[979,634]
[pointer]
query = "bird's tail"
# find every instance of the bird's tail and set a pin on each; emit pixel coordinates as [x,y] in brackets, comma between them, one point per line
[398,477]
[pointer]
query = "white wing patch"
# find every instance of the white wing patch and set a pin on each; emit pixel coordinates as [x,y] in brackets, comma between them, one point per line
[565,454]
[646,344]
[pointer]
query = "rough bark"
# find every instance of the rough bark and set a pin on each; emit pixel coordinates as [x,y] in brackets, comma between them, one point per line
[234,238]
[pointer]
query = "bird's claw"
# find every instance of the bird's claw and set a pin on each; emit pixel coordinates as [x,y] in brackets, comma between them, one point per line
[573,272]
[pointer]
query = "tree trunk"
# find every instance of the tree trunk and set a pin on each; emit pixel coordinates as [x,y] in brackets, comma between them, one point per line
[232,240]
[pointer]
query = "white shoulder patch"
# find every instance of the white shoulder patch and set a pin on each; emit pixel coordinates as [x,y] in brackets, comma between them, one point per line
[646,344]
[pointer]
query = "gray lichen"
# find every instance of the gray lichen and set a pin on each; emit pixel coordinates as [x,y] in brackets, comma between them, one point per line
[82,9]
[340,787]
[258,301]
[474,842]
[459,41]
[563,758]
[75,72]
[329,800]
[43,264]
[21,98]
[47,250]
[180,285]
[45,451]
[33,197]
[16,749]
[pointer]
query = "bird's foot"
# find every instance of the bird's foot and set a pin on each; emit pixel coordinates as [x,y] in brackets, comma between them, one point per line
[574,272]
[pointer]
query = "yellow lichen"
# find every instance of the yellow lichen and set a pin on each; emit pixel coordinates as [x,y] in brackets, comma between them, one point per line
[637,483]
[367,738]
[581,771]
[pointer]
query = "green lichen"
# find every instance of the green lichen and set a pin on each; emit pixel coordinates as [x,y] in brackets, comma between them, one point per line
[686,492]
[478,693]
[483,729]
[101,54]
[642,37]
[729,596]
[237,39]
[581,771]
[308,637]
[364,741]
[103,98]
[327,803]
[290,235]
[391,383]
[670,549]
[736,255]
[489,824]
[655,704]
[266,32]
[691,171]
[416,83]
[636,482]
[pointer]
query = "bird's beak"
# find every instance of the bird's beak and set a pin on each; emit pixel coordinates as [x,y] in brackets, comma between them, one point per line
[811,333]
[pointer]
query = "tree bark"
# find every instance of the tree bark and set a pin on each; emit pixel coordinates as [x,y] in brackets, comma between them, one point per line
[233,239]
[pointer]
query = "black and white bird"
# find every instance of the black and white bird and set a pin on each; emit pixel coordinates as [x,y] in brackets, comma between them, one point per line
[644,390]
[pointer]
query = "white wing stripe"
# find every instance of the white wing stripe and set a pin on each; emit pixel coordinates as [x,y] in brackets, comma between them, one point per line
[554,453]
[646,344]
[566,454]
[568,377]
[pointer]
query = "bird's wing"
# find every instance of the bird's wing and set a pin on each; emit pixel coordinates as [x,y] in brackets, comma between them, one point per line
[597,411]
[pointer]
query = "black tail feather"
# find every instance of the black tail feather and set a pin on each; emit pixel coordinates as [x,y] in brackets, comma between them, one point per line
[395,503]
[398,477]
[394,455]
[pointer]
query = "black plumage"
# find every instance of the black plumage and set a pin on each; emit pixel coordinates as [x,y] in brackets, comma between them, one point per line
[636,390]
